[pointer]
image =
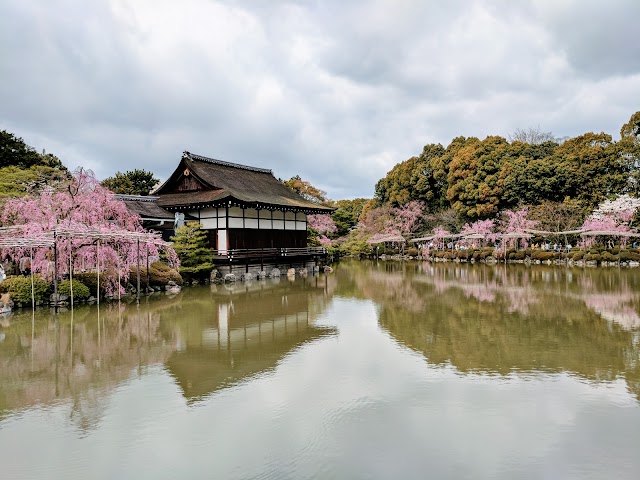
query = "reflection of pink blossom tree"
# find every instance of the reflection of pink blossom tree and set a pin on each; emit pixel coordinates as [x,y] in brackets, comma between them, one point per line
[84,207]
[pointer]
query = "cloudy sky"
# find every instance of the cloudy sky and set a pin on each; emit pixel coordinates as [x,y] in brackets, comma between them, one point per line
[335,91]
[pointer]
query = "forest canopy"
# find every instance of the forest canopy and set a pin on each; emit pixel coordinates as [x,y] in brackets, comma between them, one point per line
[479,178]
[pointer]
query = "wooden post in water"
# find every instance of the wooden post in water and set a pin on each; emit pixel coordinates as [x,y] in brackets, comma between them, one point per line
[148,276]
[138,293]
[98,289]
[55,272]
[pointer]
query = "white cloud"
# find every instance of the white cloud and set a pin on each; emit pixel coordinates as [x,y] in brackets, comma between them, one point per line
[335,92]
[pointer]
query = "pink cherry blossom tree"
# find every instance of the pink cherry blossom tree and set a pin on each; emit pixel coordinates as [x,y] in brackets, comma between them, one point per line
[324,225]
[516,222]
[439,235]
[393,221]
[614,222]
[83,209]
[407,217]
[486,228]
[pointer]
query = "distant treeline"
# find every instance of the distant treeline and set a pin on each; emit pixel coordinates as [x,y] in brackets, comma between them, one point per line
[479,178]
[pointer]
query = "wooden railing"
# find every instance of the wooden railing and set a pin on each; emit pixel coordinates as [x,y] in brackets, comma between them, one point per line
[257,253]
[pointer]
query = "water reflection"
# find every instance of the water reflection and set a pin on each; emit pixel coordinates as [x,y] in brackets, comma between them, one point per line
[376,371]
[501,319]
[245,331]
[206,337]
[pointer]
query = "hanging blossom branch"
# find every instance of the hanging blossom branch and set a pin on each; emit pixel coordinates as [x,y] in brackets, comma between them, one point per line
[324,224]
[614,224]
[83,215]
[406,217]
[480,227]
[622,206]
[439,234]
[516,223]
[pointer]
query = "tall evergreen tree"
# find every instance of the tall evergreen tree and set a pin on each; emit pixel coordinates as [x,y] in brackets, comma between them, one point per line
[192,247]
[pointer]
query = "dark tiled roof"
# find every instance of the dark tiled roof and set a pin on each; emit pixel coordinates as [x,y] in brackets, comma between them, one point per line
[246,184]
[146,207]
[202,197]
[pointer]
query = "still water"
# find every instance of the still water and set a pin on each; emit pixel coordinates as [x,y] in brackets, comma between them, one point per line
[379,370]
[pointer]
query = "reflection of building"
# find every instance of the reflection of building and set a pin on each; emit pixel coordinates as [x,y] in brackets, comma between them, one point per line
[206,336]
[251,330]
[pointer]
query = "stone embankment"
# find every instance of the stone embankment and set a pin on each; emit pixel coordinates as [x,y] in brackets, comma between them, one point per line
[595,257]
[218,277]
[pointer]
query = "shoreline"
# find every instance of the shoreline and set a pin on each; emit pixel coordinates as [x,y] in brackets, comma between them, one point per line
[607,258]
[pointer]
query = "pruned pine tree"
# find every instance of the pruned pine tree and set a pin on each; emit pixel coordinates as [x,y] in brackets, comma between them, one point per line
[192,247]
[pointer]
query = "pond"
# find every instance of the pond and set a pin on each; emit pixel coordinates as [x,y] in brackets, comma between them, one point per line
[378,370]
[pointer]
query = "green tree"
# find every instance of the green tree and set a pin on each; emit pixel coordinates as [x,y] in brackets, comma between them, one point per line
[532,173]
[594,163]
[14,152]
[17,182]
[559,216]
[475,180]
[420,178]
[631,129]
[23,170]
[306,190]
[630,152]
[193,249]
[133,182]
[347,214]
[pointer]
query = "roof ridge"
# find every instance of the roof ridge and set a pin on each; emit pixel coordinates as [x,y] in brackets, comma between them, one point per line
[201,158]
[139,198]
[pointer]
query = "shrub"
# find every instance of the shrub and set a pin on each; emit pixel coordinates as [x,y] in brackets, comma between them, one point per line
[486,252]
[80,290]
[542,255]
[609,257]
[355,246]
[578,256]
[412,251]
[20,288]
[519,255]
[90,280]
[159,275]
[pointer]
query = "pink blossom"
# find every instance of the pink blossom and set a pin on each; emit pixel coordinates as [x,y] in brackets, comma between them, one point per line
[517,222]
[322,223]
[481,227]
[84,207]
[324,240]
[609,222]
